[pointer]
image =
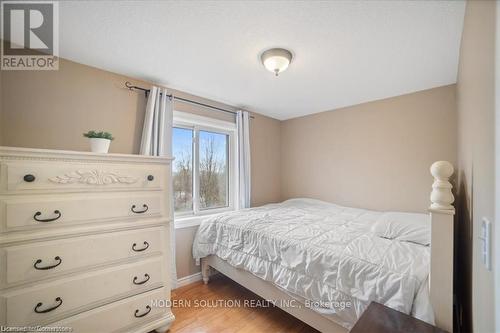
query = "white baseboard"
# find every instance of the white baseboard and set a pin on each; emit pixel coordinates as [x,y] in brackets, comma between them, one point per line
[183,281]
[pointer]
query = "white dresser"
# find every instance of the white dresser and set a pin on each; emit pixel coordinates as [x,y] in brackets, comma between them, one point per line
[84,241]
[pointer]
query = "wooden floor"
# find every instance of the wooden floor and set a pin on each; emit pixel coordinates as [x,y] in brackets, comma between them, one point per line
[221,319]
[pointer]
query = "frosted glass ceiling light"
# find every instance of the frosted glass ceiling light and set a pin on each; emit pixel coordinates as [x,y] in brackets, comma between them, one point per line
[276,60]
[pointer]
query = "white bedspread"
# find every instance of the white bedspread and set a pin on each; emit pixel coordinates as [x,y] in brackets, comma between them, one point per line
[322,252]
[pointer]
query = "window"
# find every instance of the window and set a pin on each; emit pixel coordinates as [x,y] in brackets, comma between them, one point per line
[182,169]
[203,169]
[213,172]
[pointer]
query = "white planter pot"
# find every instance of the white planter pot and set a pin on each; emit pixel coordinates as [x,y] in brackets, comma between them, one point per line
[98,145]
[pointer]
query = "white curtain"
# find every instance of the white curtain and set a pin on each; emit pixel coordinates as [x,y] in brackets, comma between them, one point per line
[242,122]
[157,141]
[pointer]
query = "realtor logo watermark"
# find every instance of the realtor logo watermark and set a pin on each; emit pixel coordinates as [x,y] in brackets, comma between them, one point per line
[30,35]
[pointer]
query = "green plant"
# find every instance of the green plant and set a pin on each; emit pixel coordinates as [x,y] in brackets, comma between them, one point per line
[98,135]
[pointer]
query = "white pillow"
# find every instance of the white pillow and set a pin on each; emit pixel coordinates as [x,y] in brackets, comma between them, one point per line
[410,227]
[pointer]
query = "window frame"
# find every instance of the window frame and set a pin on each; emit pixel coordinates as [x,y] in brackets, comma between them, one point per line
[200,123]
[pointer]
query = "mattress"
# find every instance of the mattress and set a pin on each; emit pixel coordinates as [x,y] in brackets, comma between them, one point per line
[324,255]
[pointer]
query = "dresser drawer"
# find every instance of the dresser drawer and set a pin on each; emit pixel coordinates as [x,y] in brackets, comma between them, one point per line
[39,260]
[45,302]
[32,176]
[122,316]
[37,212]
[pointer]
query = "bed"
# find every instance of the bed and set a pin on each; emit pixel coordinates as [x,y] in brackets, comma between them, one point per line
[325,263]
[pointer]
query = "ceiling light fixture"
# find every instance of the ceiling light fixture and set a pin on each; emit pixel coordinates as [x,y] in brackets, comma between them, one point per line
[276,60]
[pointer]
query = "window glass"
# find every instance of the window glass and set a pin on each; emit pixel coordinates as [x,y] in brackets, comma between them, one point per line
[182,169]
[213,169]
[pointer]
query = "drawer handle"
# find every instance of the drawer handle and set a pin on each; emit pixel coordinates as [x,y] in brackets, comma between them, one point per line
[151,178]
[58,299]
[146,279]
[140,250]
[58,213]
[145,313]
[39,261]
[29,178]
[140,211]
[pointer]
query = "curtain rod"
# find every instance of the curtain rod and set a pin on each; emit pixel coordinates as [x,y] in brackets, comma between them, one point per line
[146,91]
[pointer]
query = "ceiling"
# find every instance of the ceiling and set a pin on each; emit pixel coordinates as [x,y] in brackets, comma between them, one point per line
[345,52]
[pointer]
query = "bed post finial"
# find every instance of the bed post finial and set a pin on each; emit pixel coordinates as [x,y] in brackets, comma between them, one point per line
[441,196]
[441,273]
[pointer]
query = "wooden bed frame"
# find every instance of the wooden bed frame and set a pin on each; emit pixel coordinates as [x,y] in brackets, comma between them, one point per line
[441,213]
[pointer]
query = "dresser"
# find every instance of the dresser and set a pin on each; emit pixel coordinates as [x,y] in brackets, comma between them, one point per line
[84,241]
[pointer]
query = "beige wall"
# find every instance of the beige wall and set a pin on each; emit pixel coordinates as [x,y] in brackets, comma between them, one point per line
[185,264]
[51,109]
[1,113]
[476,135]
[266,160]
[373,155]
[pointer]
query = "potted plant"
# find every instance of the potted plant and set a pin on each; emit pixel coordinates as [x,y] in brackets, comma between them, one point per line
[99,141]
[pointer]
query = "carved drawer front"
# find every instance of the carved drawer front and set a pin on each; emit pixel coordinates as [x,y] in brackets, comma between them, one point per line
[26,176]
[42,212]
[123,316]
[51,301]
[39,260]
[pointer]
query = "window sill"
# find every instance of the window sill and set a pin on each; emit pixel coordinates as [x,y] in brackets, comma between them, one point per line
[193,220]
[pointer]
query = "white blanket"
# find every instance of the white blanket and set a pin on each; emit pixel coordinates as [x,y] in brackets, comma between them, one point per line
[318,251]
